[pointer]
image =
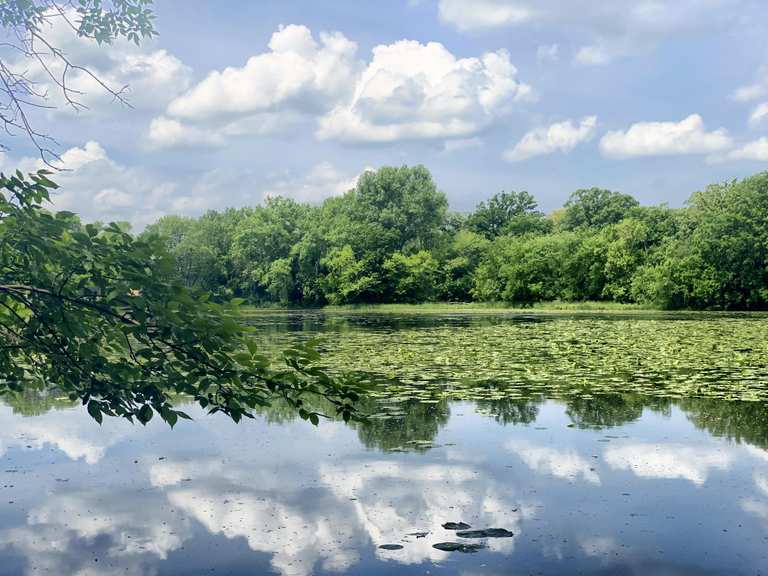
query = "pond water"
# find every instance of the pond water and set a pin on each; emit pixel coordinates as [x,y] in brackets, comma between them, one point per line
[640,478]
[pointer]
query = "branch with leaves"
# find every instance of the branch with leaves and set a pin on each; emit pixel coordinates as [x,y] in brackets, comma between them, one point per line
[94,313]
[27,25]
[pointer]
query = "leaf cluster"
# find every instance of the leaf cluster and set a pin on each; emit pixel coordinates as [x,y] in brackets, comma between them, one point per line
[98,315]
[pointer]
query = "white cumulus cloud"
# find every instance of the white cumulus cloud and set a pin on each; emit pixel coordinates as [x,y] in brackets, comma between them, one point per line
[297,71]
[558,137]
[421,91]
[298,76]
[688,136]
[407,90]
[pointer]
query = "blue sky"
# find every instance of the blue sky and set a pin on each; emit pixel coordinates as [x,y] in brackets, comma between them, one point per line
[238,100]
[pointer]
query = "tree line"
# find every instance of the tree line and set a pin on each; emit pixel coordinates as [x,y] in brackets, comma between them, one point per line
[392,239]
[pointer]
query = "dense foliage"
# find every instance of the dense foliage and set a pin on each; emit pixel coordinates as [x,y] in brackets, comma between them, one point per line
[392,239]
[96,314]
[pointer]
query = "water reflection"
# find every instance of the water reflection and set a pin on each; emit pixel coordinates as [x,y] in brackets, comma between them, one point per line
[610,486]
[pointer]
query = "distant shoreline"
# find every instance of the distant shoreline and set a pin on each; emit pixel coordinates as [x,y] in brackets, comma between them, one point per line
[488,308]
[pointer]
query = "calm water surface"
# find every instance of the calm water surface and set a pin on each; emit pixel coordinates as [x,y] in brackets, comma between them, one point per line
[594,484]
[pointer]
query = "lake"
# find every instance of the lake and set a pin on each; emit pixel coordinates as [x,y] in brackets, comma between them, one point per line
[605,443]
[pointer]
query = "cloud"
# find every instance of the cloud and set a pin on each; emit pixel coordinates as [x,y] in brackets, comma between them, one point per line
[668,461]
[391,499]
[757,504]
[559,137]
[482,14]
[321,182]
[408,90]
[758,88]
[58,538]
[759,114]
[596,54]
[314,516]
[617,28]
[450,146]
[97,187]
[297,77]
[422,91]
[297,71]
[66,430]
[151,77]
[166,132]
[755,150]
[548,52]
[76,158]
[665,139]
[560,463]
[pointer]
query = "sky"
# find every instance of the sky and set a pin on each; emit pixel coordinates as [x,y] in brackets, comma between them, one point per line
[240,100]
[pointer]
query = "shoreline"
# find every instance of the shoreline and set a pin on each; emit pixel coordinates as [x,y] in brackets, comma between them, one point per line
[494,308]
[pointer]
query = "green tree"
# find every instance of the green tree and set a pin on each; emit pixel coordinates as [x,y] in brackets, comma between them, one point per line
[347,280]
[413,278]
[462,258]
[595,208]
[402,208]
[524,270]
[512,213]
[719,256]
[391,210]
[269,233]
[631,244]
[278,280]
[583,274]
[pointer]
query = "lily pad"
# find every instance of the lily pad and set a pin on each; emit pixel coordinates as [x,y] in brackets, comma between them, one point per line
[458,547]
[391,547]
[487,533]
[456,526]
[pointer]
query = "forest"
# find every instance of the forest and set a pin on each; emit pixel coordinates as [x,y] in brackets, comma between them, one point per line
[393,239]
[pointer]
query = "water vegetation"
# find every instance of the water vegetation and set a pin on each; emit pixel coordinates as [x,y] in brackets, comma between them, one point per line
[509,356]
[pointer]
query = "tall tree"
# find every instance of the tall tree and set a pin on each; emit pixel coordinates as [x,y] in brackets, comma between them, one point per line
[512,213]
[595,208]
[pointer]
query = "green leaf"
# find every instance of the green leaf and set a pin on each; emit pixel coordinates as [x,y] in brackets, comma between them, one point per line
[94,410]
[145,414]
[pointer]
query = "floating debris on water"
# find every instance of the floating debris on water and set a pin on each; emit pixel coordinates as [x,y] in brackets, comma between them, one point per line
[487,533]
[456,526]
[458,547]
